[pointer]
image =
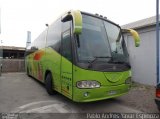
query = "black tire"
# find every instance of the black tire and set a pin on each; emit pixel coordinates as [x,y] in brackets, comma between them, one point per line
[28,72]
[48,84]
[159,109]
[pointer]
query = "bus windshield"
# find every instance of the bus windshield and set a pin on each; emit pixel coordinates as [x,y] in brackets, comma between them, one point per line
[100,39]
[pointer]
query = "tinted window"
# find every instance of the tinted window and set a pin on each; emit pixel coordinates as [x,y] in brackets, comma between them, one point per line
[93,41]
[40,41]
[28,51]
[54,35]
[66,45]
[66,40]
[100,38]
[115,38]
[66,26]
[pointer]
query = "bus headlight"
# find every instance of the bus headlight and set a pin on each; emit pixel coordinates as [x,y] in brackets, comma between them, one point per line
[128,80]
[88,84]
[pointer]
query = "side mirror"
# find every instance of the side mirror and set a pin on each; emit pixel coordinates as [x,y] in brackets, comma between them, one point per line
[134,34]
[76,16]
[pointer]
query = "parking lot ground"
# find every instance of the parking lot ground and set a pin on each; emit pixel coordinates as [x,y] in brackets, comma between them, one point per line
[141,97]
[20,93]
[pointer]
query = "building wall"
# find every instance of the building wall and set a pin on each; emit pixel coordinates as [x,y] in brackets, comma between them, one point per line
[143,58]
[12,59]
[13,65]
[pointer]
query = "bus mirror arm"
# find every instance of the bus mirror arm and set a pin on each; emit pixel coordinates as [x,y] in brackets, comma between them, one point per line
[76,16]
[134,34]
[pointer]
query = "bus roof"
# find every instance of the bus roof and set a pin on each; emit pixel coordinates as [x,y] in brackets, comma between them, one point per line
[100,17]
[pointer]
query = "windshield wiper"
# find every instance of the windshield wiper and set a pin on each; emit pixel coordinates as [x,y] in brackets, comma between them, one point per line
[95,59]
[120,62]
[117,62]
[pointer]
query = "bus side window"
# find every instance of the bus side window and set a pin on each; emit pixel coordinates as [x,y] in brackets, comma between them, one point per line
[66,45]
[54,36]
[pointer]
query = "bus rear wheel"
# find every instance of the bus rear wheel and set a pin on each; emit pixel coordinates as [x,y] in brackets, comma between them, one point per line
[48,84]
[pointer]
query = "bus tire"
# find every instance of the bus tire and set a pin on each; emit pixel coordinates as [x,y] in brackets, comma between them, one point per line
[28,72]
[48,84]
[159,109]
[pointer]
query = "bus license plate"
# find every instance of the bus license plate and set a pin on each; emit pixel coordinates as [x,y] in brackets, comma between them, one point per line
[112,92]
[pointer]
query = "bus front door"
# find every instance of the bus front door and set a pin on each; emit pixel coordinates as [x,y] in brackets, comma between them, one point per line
[66,65]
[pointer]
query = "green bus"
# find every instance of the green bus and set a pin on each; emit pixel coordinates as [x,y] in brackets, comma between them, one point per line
[82,56]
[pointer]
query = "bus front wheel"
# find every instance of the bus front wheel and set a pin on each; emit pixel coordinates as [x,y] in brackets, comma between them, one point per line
[48,84]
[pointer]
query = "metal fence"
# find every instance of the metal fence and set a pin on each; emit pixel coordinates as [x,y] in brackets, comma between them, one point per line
[13,65]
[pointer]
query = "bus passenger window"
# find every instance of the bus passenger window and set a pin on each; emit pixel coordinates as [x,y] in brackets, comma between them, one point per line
[66,45]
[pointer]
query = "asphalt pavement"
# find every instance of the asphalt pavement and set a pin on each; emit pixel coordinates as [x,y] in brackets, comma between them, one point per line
[22,94]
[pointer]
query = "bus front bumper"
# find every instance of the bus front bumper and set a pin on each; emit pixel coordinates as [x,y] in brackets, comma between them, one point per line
[104,92]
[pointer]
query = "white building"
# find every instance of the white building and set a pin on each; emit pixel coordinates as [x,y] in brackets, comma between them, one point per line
[143,58]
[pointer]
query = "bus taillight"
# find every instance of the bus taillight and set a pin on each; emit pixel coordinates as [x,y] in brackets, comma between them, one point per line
[158,92]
